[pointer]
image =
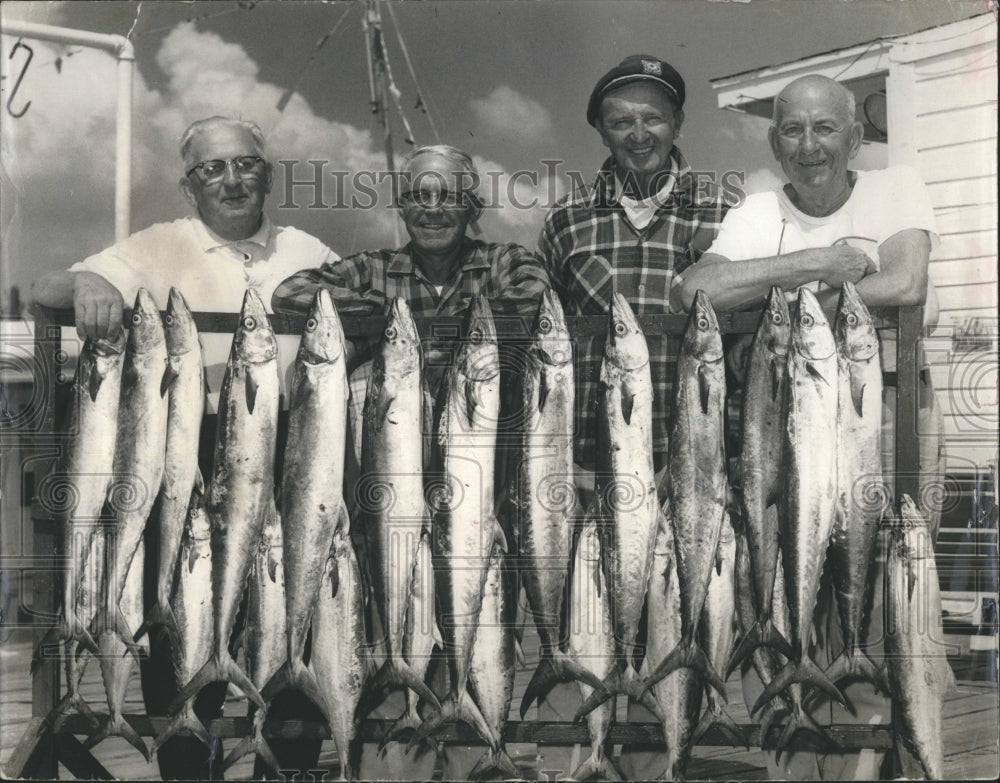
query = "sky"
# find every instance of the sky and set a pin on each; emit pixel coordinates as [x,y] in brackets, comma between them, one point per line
[506,81]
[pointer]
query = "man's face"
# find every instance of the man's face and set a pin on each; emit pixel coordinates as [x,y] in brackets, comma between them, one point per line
[638,124]
[814,139]
[435,209]
[231,205]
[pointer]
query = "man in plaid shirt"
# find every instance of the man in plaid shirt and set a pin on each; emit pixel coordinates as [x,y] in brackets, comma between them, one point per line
[438,272]
[640,224]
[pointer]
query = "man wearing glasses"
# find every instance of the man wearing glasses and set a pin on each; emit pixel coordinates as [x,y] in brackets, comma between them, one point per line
[212,258]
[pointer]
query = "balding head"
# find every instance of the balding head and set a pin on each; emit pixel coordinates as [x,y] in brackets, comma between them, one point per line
[835,96]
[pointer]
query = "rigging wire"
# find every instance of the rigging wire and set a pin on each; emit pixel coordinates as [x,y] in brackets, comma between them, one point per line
[423,100]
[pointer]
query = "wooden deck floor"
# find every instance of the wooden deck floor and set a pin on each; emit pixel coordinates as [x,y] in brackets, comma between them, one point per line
[971,729]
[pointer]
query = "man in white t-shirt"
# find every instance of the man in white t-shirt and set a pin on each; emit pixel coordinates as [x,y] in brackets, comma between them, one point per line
[827,225]
[212,258]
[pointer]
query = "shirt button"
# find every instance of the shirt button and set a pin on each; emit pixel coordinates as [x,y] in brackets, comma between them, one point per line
[642,287]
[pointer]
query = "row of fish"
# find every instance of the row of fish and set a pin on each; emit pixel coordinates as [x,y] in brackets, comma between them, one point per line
[437,539]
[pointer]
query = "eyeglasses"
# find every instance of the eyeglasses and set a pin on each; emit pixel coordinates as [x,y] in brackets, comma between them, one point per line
[244,166]
[431,199]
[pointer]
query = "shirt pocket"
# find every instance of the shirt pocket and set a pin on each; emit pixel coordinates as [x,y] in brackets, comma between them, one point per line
[588,278]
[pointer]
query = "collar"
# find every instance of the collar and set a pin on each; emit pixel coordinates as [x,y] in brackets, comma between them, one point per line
[263,237]
[607,188]
[401,262]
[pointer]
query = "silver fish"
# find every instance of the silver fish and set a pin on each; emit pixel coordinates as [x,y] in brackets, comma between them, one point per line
[341,658]
[542,496]
[698,486]
[185,384]
[191,609]
[591,642]
[918,670]
[393,509]
[807,505]
[241,491]
[762,426]
[81,487]
[312,495]
[862,494]
[626,492]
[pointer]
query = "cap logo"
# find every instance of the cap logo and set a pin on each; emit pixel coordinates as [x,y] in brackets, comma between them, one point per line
[652,67]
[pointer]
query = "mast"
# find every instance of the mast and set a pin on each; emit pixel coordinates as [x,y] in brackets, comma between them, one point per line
[378,82]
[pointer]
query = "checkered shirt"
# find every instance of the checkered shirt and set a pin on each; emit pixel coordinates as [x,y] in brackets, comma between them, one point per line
[592,250]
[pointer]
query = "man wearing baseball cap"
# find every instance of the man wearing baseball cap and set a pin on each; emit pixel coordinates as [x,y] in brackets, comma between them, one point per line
[633,230]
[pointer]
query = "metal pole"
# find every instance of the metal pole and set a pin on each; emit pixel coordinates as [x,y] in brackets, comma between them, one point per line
[122,49]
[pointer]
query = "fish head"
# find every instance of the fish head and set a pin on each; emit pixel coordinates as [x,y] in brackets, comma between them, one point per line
[197,523]
[477,358]
[322,335]
[853,327]
[702,337]
[811,334]
[106,347]
[145,325]
[589,543]
[400,345]
[625,345]
[254,341]
[775,330]
[181,332]
[550,335]
[910,531]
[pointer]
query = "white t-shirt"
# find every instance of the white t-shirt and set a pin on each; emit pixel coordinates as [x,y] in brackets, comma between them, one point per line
[883,203]
[212,273]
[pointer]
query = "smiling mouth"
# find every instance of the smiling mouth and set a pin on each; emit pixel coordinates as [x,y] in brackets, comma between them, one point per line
[812,163]
[434,226]
[641,150]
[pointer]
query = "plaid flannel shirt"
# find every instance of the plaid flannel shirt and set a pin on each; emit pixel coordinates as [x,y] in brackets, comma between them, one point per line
[592,250]
[510,276]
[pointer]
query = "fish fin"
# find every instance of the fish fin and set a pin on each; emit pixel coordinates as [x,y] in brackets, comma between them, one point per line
[159,614]
[120,626]
[169,376]
[718,561]
[94,384]
[250,390]
[951,684]
[800,720]
[724,721]
[857,391]
[204,379]
[775,380]
[185,722]
[382,404]
[492,764]
[334,576]
[301,394]
[856,666]
[806,672]
[192,558]
[436,635]
[395,672]
[543,391]
[131,736]
[687,654]
[597,766]
[130,375]
[272,564]
[816,374]
[199,482]
[499,537]
[611,685]
[704,388]
[471,403]
[911,580]
[454,709]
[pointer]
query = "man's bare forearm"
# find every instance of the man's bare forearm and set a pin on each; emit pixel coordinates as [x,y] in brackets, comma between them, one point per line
[732,285]
[54,289]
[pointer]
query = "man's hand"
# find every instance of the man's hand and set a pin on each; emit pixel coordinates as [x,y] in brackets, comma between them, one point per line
[98,306]
[841,263]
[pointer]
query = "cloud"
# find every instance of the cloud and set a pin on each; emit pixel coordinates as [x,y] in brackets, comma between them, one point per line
[506,112]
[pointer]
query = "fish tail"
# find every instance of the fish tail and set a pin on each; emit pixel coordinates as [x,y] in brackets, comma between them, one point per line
[397,672]
[722,719]
[71,701]
[800,720]
[218,668]
[117,726]
[456,708]
[598,766]
[160,614]
[114,620]
[296,675]
[493,763]
[407,722]
[254,743]
[762,633]
[609,688]
[857,665]
[806,672]
[688,654]
[185,722]
[556,667]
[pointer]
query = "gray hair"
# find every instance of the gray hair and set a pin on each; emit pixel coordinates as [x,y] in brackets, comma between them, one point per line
[843,94]
[461,162]
[208,124]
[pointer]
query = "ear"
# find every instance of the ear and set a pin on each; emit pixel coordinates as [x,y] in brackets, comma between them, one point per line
[857,135]
[774,141]
[678,120]
[600,130]
[188,191]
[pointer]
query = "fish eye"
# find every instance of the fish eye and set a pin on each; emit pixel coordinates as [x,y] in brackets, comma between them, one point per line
[544,325]
[169,320]
[776,318]
[390,333]
[475,337]
[620,329]
[702,322]
[852,319]
[249,322]
[136,319]
[311,324]
[806,320]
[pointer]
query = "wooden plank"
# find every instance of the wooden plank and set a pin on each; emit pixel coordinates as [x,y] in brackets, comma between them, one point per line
[969,159]
[960,124]
[961,88]
[907,367]
[972,244]
[968,296]
[958,222]
[963,192]
[79,761]
[963,271]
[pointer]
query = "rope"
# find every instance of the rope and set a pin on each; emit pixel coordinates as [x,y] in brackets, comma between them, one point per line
[423,101]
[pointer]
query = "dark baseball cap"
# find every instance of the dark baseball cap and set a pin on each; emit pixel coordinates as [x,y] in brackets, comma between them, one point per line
[636,67]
